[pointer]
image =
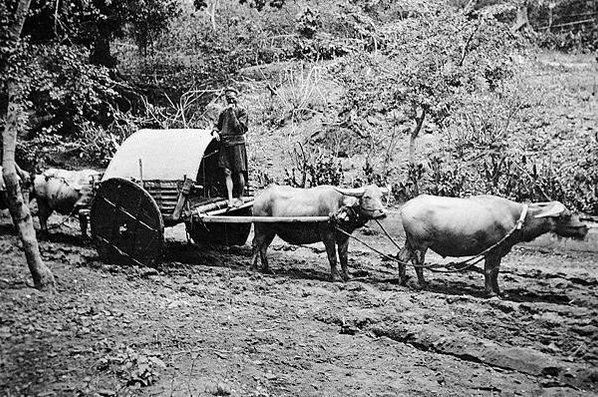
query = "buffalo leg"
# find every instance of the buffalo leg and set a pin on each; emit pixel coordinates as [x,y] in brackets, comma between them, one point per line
[330,245]
[420,256]
[491,268]
[343,256]
[263,236]
[494,278]
[43,212]
[263,256]
[405,256]
[83,223]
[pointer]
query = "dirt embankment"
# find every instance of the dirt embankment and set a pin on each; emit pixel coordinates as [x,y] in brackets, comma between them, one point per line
[201,324]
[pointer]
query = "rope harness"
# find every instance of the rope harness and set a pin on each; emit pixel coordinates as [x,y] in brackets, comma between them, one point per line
[467,264]
[63,221]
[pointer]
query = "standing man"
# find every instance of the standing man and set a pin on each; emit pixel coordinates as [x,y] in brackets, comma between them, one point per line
[230,130]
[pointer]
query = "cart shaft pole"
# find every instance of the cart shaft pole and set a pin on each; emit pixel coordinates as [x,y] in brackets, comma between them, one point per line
[263,219]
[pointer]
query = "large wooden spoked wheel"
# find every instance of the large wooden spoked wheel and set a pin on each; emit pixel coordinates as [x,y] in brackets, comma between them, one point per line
[221,233]
[126,224]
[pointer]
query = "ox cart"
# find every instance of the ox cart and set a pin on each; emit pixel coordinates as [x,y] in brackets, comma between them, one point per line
[158,179]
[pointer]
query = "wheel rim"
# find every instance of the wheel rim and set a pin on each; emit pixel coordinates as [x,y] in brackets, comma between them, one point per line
[126,223]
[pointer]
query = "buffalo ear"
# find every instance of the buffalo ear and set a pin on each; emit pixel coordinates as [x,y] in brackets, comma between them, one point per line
[551,209]
[386,189]
[350,201]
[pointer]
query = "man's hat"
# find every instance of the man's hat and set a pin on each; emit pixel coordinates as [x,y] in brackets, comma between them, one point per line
[230,92]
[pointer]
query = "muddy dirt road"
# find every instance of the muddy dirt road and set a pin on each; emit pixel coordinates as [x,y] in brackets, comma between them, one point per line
[202,325]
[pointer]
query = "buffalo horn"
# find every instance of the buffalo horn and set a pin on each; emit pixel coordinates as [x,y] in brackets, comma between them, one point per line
[355,192]
[554,208]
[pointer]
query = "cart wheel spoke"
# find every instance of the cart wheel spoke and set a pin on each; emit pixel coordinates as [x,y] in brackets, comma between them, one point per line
[126,223]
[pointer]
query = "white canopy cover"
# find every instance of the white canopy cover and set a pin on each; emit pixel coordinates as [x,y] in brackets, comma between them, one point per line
[160,154]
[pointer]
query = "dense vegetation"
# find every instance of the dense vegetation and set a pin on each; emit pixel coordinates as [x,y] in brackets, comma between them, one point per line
[370,74]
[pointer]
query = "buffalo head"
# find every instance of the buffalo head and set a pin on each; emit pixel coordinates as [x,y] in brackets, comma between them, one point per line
[561,221]
[368,200]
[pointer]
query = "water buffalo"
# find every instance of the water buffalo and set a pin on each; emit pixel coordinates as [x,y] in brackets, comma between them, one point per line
[24,180]
[66,192]
[467,226]
[352,208]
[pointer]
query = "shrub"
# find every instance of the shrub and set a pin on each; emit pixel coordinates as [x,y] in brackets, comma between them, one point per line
[586,40]
[409,186]
[523,179]
[508,174]
[313,167]
[444,179]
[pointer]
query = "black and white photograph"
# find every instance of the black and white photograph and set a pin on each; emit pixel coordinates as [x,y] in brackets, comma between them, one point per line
[295,198]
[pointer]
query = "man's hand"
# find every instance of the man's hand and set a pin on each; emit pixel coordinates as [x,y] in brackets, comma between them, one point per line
[216,135]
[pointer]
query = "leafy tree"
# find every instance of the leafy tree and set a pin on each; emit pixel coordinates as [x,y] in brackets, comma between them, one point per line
[149,18]
[426,67]
[71,104]
[96,23]
[204,49]
[16,86]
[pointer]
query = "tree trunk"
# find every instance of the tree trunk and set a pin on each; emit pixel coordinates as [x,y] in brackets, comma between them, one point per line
[14,29]
[419,123]
[21,217]
[100,53]
[522,21]
[211,12]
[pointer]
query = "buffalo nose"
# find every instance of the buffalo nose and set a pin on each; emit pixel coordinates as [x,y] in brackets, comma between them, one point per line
[380,214]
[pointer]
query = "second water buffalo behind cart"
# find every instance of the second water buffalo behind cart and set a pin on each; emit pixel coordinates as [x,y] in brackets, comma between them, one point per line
[66,192]
[352,208]
[465,227]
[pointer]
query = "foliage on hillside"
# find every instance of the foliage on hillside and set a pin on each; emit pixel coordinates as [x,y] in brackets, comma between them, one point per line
[566,25]
[74,104]
[428,67]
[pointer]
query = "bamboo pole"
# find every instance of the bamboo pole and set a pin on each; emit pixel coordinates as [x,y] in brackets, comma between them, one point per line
[223,211]
[220,207]
[263,219]
[211,206]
